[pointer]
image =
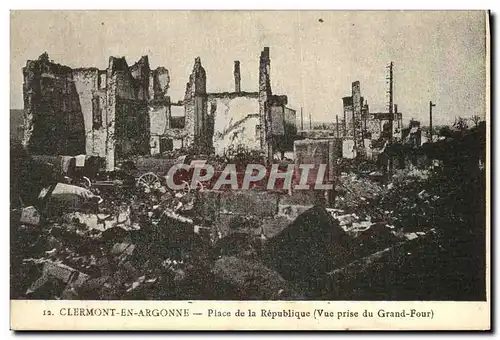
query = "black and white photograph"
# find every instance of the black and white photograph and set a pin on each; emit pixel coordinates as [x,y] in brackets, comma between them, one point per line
[249,155]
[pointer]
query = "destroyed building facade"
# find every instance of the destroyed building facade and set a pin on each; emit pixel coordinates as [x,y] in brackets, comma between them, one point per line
[54,122]
[125,110]
[252,120]
[87,110]
[176,125]
[360,126]
[354,109]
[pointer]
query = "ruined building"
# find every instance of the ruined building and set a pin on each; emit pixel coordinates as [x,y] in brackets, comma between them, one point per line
[359,125]
[354,108]
[195,104]
[185,123]
[412,135]
[253,120]
[54,122]
[113,113]
[87,110]
[221,121]
[125,110]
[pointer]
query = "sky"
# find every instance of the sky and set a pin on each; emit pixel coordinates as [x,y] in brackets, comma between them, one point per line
[315,55]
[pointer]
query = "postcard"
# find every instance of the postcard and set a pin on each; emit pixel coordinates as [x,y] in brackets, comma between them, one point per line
[250,170]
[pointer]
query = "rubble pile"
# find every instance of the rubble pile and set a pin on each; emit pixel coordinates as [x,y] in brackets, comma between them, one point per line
[111,244]
[426,233]
[405,204]
[257,281]
[357,193]
[150,243]
[143,242]
[312,244]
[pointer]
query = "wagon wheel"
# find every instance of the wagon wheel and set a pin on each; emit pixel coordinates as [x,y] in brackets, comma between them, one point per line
[85,182]
[149,180]
[186,187]
[200,186]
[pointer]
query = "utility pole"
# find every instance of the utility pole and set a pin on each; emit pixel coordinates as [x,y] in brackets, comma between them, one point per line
[301,120]
[391,114]
[431,105]
[337,125]
[391,101]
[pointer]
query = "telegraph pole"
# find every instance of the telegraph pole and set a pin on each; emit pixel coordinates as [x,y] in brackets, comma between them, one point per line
[337,125]
[431,105]
[301,120]
[391,101]
[391,113]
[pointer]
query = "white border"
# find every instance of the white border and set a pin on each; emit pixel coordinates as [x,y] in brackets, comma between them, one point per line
[186,4]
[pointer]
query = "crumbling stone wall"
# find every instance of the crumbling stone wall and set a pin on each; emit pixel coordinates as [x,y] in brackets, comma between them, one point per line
[177,131]
[236,120]
[348,119]
[162,127]
[116,111]
[234,113]
[110,142]
[160,113]
[195,104]
[277,121]
[158,118]
[53,116]
[243,134]
[124,110]
[373,128]
[278,104]
[357,102]
[91,88]
[159,83]
[140,72]
[291,119]
[271,108]
[318,151]
[87,110]
[128,128]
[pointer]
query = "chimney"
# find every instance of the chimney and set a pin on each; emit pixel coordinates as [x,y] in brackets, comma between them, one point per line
[237,76]
[264,71]
[265,53]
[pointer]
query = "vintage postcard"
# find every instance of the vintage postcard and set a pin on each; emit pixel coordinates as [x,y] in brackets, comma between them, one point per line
[249,170]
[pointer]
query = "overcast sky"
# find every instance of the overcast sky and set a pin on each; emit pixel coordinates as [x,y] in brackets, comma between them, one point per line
[315,56]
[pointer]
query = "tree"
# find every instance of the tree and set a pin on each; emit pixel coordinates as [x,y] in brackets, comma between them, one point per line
[460,124]
[475,119]
[445,131]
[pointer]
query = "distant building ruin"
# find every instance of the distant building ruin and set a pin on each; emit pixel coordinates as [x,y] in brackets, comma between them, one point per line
[412,135]
[359,125]
[354,109]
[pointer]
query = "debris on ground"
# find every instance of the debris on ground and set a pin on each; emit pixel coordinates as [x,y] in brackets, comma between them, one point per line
[113,241]
[254,280]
